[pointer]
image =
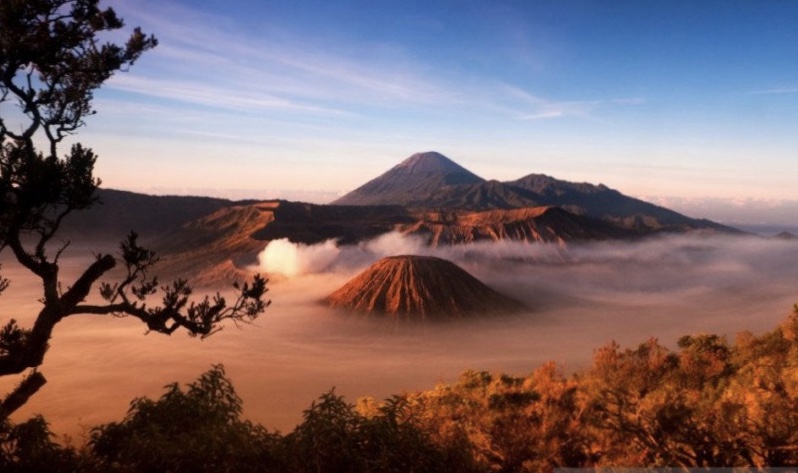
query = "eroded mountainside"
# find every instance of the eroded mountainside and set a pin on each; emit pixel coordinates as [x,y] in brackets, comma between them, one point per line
[427,195]
[218,247]
[419,287]
[532,224]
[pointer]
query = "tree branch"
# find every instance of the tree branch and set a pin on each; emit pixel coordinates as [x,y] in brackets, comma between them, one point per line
[20,395]
[81,288]
[48,272]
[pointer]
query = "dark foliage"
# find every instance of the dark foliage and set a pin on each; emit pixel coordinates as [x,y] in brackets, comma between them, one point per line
[193,430]
[30,447]
[52,59]
[334,437]
[709,404]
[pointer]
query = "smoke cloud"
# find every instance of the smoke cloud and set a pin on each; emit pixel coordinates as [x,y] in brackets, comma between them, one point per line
[290,259]
[293,259]
[657,265]
[296,259]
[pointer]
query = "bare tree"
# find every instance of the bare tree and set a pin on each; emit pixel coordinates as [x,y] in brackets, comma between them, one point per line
[51,61]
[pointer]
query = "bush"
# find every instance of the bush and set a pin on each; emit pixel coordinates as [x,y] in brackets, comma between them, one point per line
[196,430]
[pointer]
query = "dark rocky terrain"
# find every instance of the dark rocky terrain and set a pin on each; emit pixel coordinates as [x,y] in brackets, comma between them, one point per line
[117,212]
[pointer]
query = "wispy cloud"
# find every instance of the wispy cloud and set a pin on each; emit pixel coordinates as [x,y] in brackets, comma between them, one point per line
[537,108]
[204,60]
[273,71]
[216,96]
[776,91]
[561,110]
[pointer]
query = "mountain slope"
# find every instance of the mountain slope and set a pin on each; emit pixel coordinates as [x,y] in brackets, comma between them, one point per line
[532,224]
[119,212]
[215,248]
[413,180]
[600,201]
[421,182]
[218,246]
[311,223]
[481,196]
[419,287]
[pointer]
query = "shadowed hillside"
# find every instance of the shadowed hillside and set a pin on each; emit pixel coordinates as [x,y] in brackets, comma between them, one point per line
[601,201]
[218,247]
[118,212]
[311,223]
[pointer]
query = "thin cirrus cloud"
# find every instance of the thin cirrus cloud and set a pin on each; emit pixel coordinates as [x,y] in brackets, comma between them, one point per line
[218,96]
[281,75]
[538,108]
[777,91]
[202,60]
[303,72]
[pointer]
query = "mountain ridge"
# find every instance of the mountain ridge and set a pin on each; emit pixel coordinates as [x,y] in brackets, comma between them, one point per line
[449,206]
[541,224]
[396,187]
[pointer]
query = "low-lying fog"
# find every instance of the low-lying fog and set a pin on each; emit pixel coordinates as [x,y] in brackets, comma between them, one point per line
[580,298]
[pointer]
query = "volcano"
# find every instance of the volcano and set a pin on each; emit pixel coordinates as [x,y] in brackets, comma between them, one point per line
[431,181]
[419,287]
[412,181]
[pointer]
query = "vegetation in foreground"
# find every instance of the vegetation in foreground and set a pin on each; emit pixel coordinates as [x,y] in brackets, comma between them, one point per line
[709,403]
[53,57]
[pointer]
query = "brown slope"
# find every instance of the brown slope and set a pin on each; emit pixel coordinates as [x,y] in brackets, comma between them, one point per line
[309,223]
[534,224]
[214,248]
[419,287]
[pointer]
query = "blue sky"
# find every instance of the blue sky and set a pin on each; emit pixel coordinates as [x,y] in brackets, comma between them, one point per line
[309,99]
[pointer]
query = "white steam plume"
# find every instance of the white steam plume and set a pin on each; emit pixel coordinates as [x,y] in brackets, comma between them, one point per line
[294,259]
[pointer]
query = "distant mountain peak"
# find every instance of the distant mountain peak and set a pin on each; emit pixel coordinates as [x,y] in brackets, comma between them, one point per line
[430,162]
[430,180]
[414,178]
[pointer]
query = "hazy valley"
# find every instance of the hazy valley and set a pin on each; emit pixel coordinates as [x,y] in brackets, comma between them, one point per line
[585,279]
[231,268]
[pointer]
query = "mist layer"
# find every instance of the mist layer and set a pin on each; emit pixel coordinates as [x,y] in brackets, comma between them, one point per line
[580,298]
